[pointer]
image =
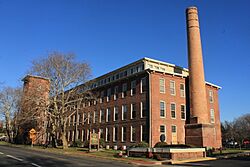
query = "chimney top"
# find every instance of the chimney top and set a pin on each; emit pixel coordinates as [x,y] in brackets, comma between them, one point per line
[191,9]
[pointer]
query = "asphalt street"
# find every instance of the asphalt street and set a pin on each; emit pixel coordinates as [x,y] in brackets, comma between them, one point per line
[12,156]
[230,162]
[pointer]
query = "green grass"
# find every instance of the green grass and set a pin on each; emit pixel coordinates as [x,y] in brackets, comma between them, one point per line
[74,151]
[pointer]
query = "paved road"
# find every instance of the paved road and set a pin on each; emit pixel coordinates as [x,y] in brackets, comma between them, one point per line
[231,162]
[11,157]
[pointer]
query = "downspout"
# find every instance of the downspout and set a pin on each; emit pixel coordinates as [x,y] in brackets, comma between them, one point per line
[150,111]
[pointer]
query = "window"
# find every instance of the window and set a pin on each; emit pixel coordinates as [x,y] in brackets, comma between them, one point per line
[115,113]
[182,90]
[133,87]
[211,97]
[162,129]
[108,115]
[108,94]
[143,109]
[172,108]
[124,90]
[172,87]
[183,111]
[102,97]
[94,117]
[162,109]
[88,117]
[84,118]
[107,135]
[101,116]
[133,134]
[173,128]
[212,119]
[116,92]
[162,85]
[133,111]
[124,134]
[101,133]
[143,133]
[143,85]
[124,112]
[115,133]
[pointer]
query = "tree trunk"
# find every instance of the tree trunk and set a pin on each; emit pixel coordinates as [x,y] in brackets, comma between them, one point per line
[64,140]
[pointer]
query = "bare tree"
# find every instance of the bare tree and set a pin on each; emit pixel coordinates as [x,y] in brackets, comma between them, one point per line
[66,76]
[9,105]
[237,130]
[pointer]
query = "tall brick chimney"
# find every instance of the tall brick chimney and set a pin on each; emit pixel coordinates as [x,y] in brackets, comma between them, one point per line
[198,101]
[199,131]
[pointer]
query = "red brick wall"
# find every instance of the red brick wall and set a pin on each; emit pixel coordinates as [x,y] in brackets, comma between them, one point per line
[156,97]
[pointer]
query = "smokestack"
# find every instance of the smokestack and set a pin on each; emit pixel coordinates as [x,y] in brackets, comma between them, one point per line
[197,89]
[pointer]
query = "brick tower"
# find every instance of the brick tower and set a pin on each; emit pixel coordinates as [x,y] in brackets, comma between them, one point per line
[199,131]
[34,101]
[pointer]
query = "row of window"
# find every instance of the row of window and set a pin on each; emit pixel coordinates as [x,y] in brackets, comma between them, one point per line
[95,117]
[172,87]
[172,110]
[114,131]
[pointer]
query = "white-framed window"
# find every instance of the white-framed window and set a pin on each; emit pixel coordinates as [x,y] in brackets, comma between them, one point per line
[143,85]
[172,87]
[88,117]
[124,112]
[132,134]
[211,96]
[182,89]
[124,134]
[83,118]
[82,139]
[116,90]
[162,109]
[108,114]
[102,96]
[101,115]
[101,133]
[212,117]
[133,111]
[163,130]
[162,85]
[124,90]
[94,117]
[173,110]
[108,94]
[143,133]
[143,109]
[133,87]
[183,111]
[173,129]
[115,133]
[116,112]
[107,135]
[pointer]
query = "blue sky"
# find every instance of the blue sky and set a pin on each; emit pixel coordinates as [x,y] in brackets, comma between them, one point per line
[111,33]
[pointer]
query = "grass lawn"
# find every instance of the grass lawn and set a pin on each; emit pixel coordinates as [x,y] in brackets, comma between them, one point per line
[109,154]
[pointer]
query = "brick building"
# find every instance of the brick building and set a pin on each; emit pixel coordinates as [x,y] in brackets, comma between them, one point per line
[149,98]
[139,102]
